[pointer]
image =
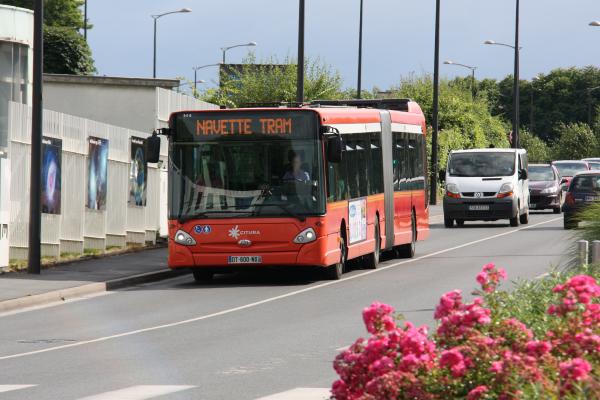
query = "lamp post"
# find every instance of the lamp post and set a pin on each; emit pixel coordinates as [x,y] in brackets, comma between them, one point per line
[360,40]
[300,62]
[449,62]
[85,19]
[201,67]
[156,17]
[436,100]
[35,197]
[595,23]
[516,97]
[224,49]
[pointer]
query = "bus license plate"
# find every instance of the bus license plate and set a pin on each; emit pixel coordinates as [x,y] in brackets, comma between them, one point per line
[244,260]
[479,207]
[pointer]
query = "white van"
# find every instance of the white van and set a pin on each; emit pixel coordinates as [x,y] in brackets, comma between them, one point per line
[486,184]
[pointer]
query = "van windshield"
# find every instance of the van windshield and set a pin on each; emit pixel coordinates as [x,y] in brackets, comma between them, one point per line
[484,164]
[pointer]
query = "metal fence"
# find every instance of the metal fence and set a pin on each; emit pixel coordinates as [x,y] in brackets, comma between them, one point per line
[78,227]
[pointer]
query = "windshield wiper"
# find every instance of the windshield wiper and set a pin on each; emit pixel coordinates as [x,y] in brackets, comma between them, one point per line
[205,214]
[289,212]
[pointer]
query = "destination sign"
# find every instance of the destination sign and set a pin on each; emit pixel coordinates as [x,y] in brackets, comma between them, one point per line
[216,125]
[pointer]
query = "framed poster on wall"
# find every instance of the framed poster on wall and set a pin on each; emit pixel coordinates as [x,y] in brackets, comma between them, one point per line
[51,175]
[97,173]
[138,172]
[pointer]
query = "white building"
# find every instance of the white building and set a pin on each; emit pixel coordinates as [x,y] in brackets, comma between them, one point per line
[16,70]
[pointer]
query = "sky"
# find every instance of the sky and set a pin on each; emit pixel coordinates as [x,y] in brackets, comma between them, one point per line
[398,36]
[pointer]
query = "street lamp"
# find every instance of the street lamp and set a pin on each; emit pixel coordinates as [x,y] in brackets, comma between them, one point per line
[156,17]
[449,62]
[595,23]
[201,67]
[300,62]
[224,49]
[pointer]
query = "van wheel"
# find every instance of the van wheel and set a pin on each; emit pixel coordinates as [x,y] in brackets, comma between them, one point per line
[448,222]
[334,272]
[408,250]
[556,210]
[202,276]
[524,218]
[372,260]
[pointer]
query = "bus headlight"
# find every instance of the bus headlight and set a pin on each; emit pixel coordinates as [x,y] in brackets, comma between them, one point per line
[306,236]
[184,238]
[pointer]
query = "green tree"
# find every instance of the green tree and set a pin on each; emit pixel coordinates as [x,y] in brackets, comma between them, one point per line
[66,52]
[271,81]
[576,141]
[66,13]
[537,149]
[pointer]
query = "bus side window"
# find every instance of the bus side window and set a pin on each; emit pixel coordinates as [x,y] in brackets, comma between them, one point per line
[336,182]
[412,160]
[376,165]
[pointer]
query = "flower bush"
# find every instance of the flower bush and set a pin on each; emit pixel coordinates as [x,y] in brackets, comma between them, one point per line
[478,351]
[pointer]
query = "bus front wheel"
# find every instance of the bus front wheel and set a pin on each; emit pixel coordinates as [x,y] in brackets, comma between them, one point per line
[334,272]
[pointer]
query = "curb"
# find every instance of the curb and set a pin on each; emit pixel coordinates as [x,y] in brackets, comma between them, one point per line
[87,289]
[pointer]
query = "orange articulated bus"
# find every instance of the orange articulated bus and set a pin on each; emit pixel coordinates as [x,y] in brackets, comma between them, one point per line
[316,185]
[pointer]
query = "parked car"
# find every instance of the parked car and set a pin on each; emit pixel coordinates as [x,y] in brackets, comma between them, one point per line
[488,185]
[544,188]
[594,165]
[583,190]
[568,168]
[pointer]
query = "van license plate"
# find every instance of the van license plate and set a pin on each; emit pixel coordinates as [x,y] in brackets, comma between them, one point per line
[479,207]
[244,260]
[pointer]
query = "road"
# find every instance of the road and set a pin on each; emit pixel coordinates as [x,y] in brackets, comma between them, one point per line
[247,336]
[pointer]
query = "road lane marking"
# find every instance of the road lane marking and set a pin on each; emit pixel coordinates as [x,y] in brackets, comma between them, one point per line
[271,299]
[140,392]
[301,394]
[10,388]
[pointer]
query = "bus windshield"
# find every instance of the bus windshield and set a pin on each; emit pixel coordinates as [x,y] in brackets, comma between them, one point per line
[249,176]
[484,164]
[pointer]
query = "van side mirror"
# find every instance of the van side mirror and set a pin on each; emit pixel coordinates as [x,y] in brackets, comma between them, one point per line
[523,174]
[334,148]
[153,148]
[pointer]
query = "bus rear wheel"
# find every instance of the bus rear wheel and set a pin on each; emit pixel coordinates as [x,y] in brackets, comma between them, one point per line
[372,260]
[334,272]
[408,250]
[202,276]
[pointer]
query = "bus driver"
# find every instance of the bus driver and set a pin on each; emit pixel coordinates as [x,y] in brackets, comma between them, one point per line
[296,173]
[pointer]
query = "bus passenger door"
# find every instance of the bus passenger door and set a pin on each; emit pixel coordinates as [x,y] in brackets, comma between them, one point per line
[402,187]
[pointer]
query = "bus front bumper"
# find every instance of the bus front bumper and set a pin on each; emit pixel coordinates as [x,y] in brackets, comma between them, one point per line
[313,254]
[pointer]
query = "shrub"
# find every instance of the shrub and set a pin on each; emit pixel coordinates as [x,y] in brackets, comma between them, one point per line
[479,351]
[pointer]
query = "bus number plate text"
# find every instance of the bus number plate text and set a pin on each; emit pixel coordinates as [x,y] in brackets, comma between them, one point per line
[244,260]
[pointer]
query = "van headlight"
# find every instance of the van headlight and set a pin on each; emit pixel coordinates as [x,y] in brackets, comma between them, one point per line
[506,190]
[306,236]
[452,188]
[184,238]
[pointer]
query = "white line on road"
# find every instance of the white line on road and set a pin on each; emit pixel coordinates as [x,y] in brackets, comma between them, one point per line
[141,392]
[270,299]
[301,394]
[10,388]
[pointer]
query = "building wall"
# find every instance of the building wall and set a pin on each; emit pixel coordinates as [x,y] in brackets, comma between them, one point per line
[77,227]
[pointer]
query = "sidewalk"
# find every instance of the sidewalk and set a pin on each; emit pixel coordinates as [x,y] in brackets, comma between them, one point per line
[20,290]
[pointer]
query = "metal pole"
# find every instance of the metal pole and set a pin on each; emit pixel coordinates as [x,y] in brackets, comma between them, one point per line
[473,83]
[85,20]
[224,51]
[516,97]
[596,252]
[434,119]
[35,209]
[195,80]
[531,111]
[154,62]
[582,252]
[360,40]
[300,67]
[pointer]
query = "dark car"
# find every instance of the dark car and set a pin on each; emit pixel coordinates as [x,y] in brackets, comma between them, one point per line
[583,191]
[544,188]
[567,170]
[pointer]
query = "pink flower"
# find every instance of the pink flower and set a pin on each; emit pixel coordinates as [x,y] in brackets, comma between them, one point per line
[489,277]
[454,360]
[576,369]
[496,367]
[537,348]
[477,393]
[378,318]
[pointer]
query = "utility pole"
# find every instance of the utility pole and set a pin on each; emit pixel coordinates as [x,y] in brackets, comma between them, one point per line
[300,77]
[85,20]
[35,209]
[516,94]
[436,100]
[360,40]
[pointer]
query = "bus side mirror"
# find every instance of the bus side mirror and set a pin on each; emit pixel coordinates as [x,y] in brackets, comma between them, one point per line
[334,149]
[153,148]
